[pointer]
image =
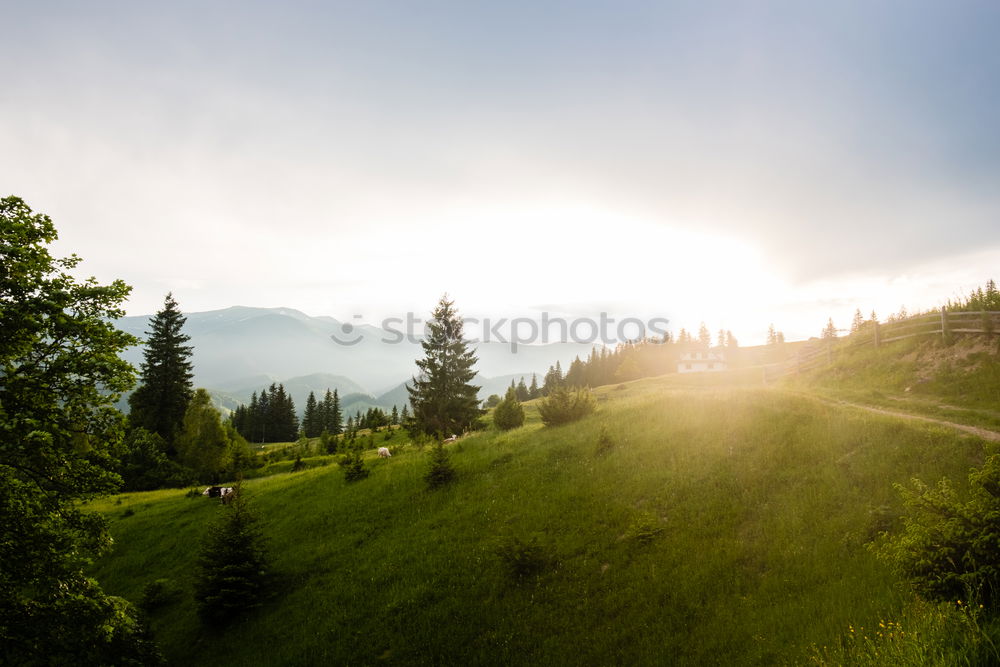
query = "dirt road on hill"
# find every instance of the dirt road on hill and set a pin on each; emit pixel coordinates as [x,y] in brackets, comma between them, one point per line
[985,434]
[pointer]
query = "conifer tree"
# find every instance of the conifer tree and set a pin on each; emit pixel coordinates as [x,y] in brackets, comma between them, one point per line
[829,331]
[533,390]
[312,421]
[576,376]
[772,336]
[443,398]
[159,402]
[394,419]
[440,471]
[508,413]
[704,338]
[232,565]
[522,390]
[858,321]
[553,379]
[334,422]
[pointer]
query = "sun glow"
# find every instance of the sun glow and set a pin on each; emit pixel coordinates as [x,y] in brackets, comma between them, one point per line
[576,260]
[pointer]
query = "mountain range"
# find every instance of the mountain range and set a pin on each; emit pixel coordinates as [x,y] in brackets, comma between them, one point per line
[241,349]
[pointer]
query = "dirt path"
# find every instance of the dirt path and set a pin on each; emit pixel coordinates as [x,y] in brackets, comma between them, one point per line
[983,433]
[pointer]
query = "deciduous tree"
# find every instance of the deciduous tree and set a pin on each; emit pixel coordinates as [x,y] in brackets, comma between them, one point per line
[60,374]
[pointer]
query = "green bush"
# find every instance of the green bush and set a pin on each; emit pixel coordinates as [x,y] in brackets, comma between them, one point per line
[562,406]
[158,593]
[523,559]
[949,548]
[605,443]
[508,413]
[354,466]
[440,471]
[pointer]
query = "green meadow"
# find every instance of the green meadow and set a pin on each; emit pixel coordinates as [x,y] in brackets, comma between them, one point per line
[687,521]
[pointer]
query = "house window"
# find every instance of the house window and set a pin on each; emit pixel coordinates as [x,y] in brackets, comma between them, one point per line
[687,366]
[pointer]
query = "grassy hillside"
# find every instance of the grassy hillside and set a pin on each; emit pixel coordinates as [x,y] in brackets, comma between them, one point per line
[712,525]
[959,381]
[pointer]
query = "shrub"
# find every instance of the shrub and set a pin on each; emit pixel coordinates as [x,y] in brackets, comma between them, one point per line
[643,528]
[158,593]
[523,559]
[354,466]
[440,471]
[562,406]
[298,465]
[604,442]
[508,413]
[232,564]
[950,548]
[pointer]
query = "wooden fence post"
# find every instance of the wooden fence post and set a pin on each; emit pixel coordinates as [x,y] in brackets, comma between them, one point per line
[944,325]
[876,333]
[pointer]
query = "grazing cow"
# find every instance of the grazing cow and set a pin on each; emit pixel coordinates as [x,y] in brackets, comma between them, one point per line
[453,438]
[227,495]
[384,453]
[212,492]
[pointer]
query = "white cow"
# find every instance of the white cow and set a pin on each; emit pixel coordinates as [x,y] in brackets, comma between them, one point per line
[453,438]
[384,453]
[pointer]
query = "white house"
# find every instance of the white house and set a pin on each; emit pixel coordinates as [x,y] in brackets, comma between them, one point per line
[701,361]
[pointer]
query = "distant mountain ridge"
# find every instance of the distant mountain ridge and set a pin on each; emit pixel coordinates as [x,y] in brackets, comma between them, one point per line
[242,349]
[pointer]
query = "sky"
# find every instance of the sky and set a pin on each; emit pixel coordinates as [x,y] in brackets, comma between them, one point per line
[737,163]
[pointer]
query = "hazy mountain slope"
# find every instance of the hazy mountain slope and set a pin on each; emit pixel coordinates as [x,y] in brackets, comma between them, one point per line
[236,343]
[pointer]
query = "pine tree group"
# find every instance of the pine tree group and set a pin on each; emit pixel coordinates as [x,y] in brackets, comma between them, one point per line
[270,417]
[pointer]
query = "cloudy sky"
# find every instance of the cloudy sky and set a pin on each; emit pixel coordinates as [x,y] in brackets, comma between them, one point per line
[739,163]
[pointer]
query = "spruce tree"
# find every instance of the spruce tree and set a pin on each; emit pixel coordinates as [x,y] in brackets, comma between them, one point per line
[335,424]
[704,338]
[830,330]
[443,398]
[165,389]
[311,419]
[553,379]
[533,390]
[508,413]
[858,321]
[232,564]
[576,376]
[521,390]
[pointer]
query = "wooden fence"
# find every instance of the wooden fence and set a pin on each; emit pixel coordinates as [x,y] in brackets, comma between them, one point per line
[940,323]
[943,323]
